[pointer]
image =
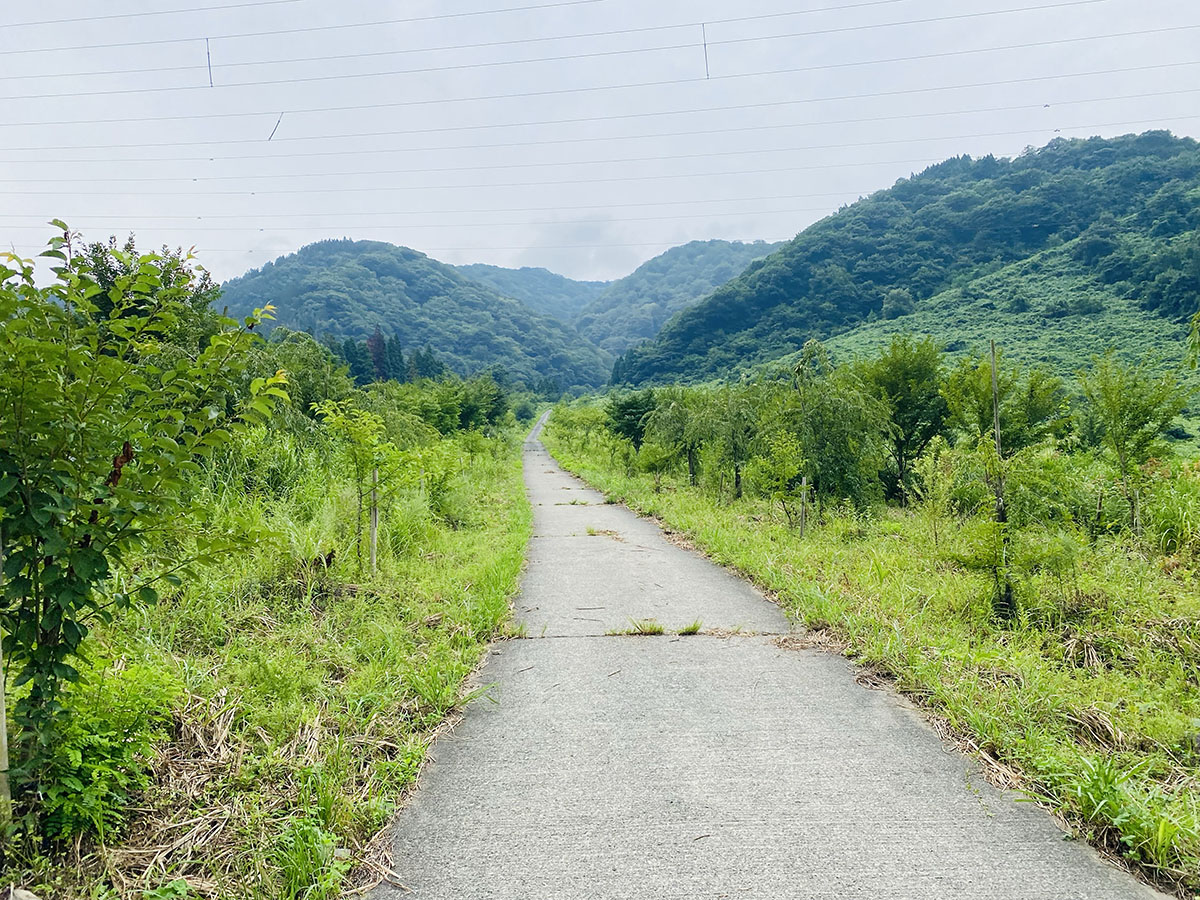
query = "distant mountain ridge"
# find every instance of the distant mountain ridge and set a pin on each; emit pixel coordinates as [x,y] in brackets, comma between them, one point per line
[634,308]
[1124,211]
[541,290]
[481,316]
[346,289]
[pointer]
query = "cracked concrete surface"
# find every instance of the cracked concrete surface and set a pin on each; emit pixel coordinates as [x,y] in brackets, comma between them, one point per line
[704,766]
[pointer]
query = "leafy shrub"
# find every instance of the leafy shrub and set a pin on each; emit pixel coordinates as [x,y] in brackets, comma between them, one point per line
[310,868]
[100,758]
[1171,512]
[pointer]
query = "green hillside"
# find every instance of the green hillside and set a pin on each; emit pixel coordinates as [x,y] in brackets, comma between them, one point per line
[634,308]
[1050,310]
[345,289]
[1132,202]
[541,290]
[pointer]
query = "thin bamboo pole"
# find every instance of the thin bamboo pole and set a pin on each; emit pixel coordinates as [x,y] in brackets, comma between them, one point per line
[5,787]
[374,516]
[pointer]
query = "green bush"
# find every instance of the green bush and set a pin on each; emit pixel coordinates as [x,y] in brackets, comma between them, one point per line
[1171,512]
[100,759]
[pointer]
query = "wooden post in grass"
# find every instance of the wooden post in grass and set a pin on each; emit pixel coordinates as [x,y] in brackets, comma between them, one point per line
[1003,602]
[5,788]
[803,503]
[374,515]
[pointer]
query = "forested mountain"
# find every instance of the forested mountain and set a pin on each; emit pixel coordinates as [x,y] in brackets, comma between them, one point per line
[346,289]
[1124,214]
[634,308]
[1052,310]
[540,289]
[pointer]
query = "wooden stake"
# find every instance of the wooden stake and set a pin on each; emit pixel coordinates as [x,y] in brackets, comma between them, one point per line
[803,503]
[1004,590]
[374,516]
[5,788]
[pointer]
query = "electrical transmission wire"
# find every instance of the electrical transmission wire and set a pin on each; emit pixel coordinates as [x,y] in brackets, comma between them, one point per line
[144,14]
[792,211]
[511,42]
[443,211]
[543,165]
[775,126]
[691,44]
[272,32]
[272,155]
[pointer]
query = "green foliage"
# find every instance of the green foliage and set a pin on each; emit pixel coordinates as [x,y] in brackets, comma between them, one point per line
[542,291]
[307,862]
[1170,511]
[680,423]
[1032,403]
[840,427]
[777,472]
[634,308]
[1133,408]
[99,757]
[942,232]
[1089,692]
[175,889]
[228,696]
[345,290]
[104,422]
[907,378]
[628,414]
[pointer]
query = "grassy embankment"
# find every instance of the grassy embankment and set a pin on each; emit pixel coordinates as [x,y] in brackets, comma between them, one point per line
[265,720]
[1090,701]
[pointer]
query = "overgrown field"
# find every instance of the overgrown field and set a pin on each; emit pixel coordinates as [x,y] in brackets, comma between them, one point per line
[246,696]
[1087,695]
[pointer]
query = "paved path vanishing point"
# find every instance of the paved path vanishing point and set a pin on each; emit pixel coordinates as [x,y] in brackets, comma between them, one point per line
[700,767]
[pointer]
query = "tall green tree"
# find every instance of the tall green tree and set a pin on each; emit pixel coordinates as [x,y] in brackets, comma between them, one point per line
[381,363]
[680,423]
[907,379]
[1033,403]
[397,364]
[1133,407]
[358,360]
[839,426]
[103,423]
[628,414]
[735,430]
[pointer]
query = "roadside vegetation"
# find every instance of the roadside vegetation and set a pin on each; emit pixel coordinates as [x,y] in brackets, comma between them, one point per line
[1037,592]
[218,684]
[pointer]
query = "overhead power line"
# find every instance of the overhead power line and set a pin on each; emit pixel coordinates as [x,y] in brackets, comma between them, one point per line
[41,220]
[278,31]
[488,44]
[588,162]
[774,126]
[588,119]
[341,26]
[690,44]
[144,14]
[385,150]
[427,225]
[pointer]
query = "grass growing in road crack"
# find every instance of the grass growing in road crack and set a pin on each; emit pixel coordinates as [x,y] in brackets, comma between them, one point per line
[642,627]
[693,628]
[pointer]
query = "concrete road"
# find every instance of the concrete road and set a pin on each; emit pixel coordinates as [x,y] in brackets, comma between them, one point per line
[700,767]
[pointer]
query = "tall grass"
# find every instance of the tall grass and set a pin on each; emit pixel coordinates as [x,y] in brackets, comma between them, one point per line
[285,700]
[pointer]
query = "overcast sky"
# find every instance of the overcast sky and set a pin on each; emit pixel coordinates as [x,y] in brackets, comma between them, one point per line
[585,137]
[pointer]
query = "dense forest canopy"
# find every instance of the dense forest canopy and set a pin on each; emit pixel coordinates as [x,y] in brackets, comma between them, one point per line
[1130,204]
[541,290]
[634,308]
[347,289]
